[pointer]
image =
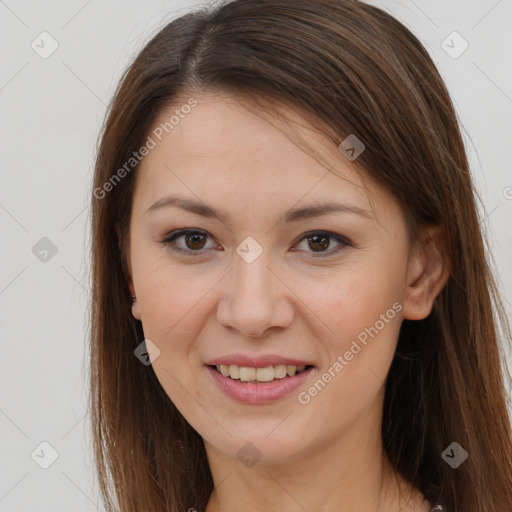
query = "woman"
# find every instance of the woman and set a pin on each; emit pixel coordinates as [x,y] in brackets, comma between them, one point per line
[292,306]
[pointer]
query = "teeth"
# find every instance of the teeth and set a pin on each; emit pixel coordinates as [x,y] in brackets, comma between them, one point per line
[267,374]
[280,371]
[247,373]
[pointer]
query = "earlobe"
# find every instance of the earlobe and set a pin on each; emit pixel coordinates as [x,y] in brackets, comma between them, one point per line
[127,270]
[136,310]
[428,273]
[135,303]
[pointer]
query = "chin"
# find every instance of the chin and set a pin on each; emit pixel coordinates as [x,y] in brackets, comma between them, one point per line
[262,447]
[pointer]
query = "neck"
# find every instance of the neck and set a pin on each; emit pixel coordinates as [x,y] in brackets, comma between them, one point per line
[345,474]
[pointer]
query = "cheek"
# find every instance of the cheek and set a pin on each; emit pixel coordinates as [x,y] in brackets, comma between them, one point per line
[361,312]
[171,297]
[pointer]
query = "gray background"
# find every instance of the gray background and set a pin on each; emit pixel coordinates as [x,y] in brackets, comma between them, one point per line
[51,111]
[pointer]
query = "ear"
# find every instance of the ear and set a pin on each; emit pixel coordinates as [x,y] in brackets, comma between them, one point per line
[427,274]
[135,305]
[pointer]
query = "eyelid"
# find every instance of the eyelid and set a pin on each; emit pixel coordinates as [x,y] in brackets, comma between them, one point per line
[342,241]
[181,232]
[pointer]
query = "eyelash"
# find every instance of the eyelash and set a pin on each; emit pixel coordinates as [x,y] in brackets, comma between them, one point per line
[171,237]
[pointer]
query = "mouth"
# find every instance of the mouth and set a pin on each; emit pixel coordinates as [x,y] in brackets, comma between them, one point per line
[253,375]
[259,379]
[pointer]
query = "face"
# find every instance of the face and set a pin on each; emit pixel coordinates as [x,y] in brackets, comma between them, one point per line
[238,270]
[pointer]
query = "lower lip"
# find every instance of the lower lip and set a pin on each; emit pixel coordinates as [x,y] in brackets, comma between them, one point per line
[262,393]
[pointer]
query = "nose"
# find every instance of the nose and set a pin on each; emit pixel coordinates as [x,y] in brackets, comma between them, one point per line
[255,299]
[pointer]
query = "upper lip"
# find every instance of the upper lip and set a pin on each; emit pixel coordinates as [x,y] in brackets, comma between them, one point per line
[261,361]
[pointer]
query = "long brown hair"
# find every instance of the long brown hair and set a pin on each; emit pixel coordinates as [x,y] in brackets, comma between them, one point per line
[351,68]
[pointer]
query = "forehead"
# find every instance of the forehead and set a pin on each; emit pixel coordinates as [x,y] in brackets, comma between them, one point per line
[223,133]
[224,150]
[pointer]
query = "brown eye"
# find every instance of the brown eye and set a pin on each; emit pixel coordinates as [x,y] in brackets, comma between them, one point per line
[189,241]
[318,243]
[194,241]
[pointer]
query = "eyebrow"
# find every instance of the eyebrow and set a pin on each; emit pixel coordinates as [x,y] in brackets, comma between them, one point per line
[306,212]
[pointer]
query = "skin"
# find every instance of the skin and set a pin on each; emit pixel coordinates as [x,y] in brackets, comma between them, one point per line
[293,300]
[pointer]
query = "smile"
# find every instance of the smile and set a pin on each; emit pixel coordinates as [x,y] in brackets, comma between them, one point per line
[258,386]
[266,374]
